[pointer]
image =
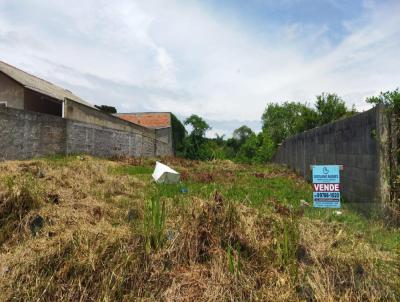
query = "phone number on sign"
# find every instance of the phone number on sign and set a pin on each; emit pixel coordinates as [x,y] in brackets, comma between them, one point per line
[326,194]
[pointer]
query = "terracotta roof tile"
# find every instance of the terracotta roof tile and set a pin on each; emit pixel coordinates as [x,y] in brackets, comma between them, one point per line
[150,120]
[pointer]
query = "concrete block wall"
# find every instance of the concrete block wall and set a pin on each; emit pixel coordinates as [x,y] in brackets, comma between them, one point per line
[101,141]
[164,141]
[353,142]
[25,134]
[12,93]
[81,113]
[148,146]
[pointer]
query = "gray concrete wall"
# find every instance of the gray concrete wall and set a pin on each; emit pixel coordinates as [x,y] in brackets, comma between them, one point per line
[81,113]
[164,134]
[352,142]
[105,142]
[11,92]
[164,141]
[26,134]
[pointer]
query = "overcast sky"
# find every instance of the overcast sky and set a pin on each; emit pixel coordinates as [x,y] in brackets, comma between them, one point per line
[223,60]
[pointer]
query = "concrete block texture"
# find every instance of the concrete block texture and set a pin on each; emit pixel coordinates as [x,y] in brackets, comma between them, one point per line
[351,142]
[25,134]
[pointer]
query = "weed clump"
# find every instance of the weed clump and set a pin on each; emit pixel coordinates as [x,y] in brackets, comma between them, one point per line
[154,224]
[17,198]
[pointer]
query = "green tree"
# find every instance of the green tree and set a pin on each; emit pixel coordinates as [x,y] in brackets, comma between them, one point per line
[330,108]
[239,137]
[307,119]
[106,109]
[266,148]
[391,99]
[219,139]
[258,148]
[199,126]
[241,134]
[231,148]
[283,120]
[248,150]
[196,139]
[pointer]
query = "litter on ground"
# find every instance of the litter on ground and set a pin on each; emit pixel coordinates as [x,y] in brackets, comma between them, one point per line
[165,175]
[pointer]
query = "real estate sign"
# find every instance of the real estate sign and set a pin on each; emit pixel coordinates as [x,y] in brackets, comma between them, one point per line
[326,185]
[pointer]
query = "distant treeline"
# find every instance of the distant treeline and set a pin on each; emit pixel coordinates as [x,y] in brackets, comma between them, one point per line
[279,121]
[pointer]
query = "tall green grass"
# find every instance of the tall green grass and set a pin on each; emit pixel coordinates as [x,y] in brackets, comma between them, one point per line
[154,224]
[234,260]
[287,234]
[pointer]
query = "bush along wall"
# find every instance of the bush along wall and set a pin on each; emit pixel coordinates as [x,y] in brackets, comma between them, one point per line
[395,161]
[391,102]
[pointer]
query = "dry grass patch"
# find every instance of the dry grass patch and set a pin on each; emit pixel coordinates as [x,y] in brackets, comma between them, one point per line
[109,234]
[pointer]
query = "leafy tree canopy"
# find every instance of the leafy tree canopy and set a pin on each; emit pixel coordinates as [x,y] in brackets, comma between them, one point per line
[280,120]
[330,108]
[258,148]
[388,98]
[283,120]
[106,108]
[219,139]
[195,147]
[199,126]
[242,133]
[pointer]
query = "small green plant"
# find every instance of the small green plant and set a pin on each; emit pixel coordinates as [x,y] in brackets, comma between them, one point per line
[287,244]
[155,224]
[234,265]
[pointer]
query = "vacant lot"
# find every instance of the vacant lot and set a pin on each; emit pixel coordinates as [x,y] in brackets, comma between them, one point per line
[87,229]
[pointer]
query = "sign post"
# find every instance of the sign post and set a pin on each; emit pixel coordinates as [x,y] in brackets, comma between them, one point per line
[326,186]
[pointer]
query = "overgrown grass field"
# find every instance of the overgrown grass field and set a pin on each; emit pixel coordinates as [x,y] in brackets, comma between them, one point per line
[87,229]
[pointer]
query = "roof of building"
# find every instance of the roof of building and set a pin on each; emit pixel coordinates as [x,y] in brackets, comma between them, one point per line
[37,84]
[155,120]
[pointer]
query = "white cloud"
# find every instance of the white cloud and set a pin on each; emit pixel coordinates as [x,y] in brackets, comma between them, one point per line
[181,57]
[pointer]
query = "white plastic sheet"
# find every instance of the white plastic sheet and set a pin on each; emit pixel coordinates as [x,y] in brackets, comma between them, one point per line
[165,175]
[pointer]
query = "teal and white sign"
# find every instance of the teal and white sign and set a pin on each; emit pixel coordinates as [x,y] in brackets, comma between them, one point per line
[326,185]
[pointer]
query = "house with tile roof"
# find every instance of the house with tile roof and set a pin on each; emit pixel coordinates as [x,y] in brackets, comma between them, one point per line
[23,91]
[154,120]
